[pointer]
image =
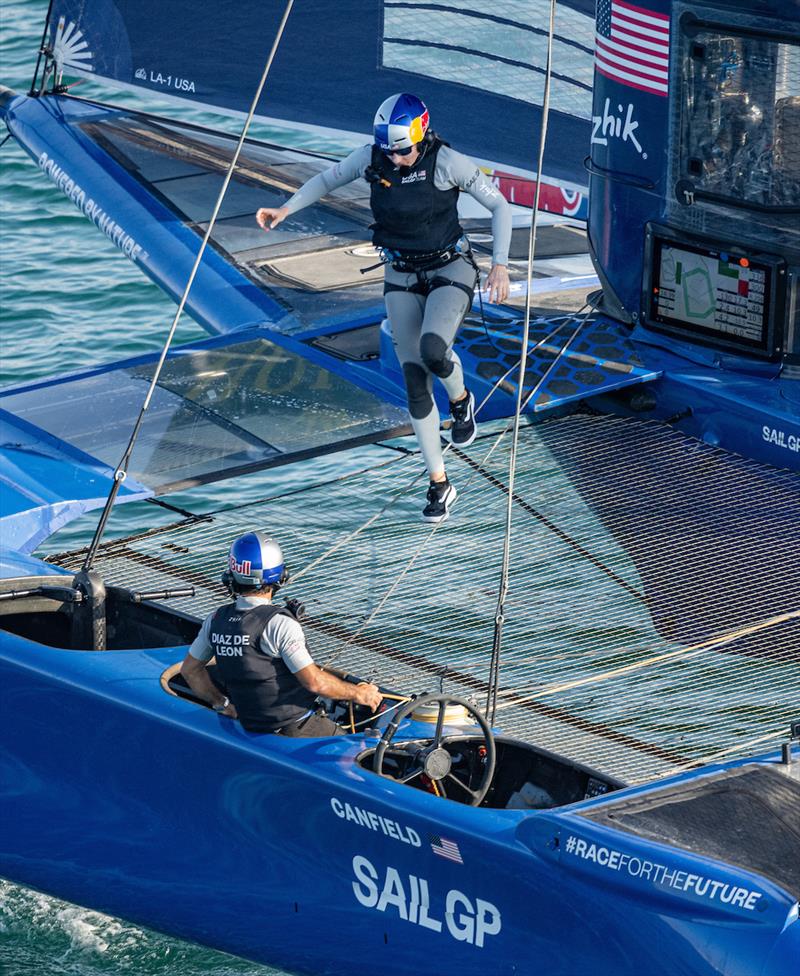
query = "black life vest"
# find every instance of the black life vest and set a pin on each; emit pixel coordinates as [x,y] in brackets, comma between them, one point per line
[411,215]
[266,694]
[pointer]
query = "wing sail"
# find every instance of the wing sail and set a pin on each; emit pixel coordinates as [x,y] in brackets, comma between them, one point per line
[219,410]
[473,66]
[46,483]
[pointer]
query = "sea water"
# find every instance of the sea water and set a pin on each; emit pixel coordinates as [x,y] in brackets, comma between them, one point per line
[70,299]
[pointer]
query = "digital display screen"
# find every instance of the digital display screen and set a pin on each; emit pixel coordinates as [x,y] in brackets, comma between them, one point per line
[710,292]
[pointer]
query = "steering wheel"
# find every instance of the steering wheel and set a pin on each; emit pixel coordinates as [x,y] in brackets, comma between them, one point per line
[434,760]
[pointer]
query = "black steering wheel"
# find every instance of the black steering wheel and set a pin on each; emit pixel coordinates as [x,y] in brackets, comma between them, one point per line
[434,760]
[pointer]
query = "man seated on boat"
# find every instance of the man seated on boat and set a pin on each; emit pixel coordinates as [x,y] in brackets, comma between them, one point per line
[415,179]
[261,653]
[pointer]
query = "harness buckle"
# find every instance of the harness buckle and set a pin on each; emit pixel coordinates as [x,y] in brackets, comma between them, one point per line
[415,263]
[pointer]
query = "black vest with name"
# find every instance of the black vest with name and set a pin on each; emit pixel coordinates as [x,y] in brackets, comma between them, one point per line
[411,215]
[266,694]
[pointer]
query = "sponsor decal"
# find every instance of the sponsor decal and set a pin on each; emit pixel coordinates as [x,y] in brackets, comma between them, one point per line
[244,567]
[118,235]
[416,177]
[789,442]
[446,848]
[663,877]
[610,126]
[374,821]
[466,919]
[552,198]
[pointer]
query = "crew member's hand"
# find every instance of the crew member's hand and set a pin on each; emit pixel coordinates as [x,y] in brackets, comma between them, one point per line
[497,283]
[367,694]
[269,217]
[229,710]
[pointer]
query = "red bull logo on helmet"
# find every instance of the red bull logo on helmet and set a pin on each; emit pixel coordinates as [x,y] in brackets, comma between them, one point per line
[244,567]
[418,127]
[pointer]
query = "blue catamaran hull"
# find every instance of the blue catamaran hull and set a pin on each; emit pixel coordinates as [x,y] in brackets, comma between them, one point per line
[127,796]
[285,851]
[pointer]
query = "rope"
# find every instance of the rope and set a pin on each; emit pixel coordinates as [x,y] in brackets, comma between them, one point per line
[721,640]
[740,749]
[494,667]
[679,539]
[121,470]
[418,551]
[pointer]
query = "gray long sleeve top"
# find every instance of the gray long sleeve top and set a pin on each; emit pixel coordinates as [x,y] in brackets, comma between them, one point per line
[452,169]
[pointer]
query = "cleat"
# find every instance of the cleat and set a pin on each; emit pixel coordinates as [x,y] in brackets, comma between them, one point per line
[463,431]
[441,496]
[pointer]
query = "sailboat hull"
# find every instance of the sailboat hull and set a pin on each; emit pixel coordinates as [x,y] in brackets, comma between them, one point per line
[131,801]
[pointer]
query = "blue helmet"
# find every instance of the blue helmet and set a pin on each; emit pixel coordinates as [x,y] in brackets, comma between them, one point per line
[255,560]
[401,122]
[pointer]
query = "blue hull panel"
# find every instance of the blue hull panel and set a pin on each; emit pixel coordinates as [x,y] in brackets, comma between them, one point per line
[285,851]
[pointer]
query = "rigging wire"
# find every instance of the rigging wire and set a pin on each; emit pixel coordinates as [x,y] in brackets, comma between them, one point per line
[42,50]
[494,667]
[120,472]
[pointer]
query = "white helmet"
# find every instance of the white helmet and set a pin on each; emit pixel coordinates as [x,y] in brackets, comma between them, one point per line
[400,123]
[255,560]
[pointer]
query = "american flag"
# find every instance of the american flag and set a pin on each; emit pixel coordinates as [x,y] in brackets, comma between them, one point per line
[446,848]
[632,46]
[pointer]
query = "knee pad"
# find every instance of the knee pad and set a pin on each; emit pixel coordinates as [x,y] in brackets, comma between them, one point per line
[420,401]
[433,350]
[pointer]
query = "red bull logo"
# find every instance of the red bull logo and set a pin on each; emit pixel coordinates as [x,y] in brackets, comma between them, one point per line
[243,568]
[418,127]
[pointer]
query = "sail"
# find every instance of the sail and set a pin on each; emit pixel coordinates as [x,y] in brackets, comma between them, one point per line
[44,484]
[481,70]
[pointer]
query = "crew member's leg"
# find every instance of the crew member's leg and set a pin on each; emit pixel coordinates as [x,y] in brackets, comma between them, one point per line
[405,310]
[448,302]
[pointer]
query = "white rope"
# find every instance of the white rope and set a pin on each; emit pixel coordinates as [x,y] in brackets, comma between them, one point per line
[678,707]
[714,643]
[481,464]
[494,678]
[740,749]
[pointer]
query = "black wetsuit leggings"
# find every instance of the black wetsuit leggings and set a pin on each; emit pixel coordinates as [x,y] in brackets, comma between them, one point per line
[425,310]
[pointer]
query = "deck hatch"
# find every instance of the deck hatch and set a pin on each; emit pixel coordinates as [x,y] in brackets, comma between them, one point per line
[749,817]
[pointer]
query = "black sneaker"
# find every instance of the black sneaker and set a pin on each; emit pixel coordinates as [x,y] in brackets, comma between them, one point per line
[441,496]
[463,431]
